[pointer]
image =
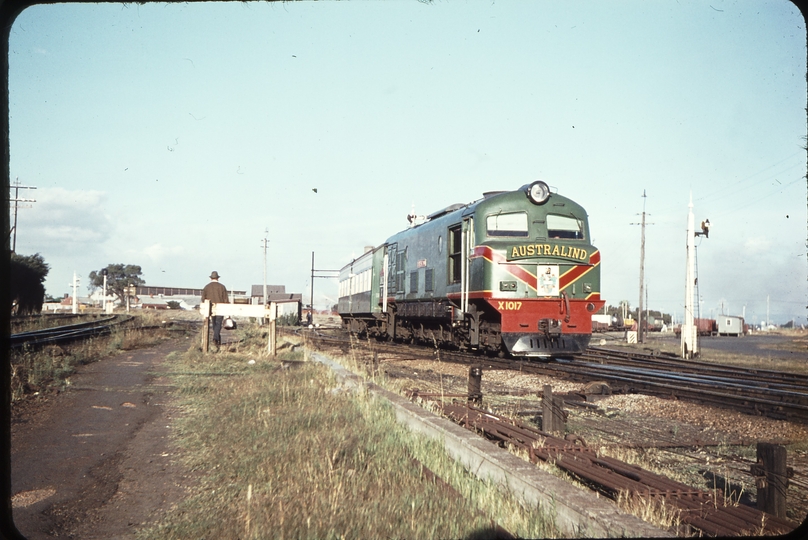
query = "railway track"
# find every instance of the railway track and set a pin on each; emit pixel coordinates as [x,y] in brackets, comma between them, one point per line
[768,393]
[753,376]
[20,321]
[67,333]
[759,392]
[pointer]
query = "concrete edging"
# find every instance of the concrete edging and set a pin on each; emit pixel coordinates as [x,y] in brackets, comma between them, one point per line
[577,512]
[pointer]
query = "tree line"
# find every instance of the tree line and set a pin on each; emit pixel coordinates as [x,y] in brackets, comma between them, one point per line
[27,281]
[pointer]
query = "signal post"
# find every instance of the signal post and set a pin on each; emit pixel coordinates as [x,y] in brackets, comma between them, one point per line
[690,333]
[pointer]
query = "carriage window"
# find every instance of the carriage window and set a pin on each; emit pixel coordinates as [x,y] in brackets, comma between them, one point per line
[507,224]
[564,227]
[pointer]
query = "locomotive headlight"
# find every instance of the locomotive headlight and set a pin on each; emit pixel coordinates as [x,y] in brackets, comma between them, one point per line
[538,192]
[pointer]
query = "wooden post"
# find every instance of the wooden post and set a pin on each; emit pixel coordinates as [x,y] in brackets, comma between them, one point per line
[272,329]
[552,417]
[771,476]
[273,338]
[205,309]
[206,335]
[475,384]
[375,367]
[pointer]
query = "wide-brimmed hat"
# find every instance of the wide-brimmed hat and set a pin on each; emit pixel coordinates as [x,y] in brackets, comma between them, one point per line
[214,275]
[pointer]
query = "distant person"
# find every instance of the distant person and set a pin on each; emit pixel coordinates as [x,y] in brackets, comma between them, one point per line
[217,294]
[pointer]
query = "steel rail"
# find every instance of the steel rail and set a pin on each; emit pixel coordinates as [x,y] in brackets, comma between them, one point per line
[724,383]
[727,378]
[782,389]
[758,402]
[597,354]
[757,392]
[66,333]
[84,324]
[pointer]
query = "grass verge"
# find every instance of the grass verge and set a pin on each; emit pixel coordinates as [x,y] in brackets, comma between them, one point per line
[278,452]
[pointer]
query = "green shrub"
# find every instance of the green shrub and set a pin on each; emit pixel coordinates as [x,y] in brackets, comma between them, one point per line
[290,319]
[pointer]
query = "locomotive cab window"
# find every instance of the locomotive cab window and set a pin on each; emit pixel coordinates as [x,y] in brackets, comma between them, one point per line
[454,250]
[513,224]
[566,227]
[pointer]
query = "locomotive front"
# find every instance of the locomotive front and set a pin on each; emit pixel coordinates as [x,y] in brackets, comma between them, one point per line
[533,266]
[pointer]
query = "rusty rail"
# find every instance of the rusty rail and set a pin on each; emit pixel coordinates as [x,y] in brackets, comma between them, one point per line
[704,511]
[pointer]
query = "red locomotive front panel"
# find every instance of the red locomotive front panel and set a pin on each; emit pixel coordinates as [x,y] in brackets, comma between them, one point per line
[569,316]
[545,327]
[545,304]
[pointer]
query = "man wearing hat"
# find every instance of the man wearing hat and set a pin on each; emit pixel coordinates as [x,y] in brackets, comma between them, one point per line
[217,294]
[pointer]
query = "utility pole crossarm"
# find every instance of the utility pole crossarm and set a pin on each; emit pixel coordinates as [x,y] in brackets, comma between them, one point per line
[266,231]
[329,274]
[16,200]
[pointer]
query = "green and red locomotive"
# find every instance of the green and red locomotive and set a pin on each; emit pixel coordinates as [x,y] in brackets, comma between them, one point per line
[512,273]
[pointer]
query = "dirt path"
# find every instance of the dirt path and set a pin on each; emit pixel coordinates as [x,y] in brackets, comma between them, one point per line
[96,461]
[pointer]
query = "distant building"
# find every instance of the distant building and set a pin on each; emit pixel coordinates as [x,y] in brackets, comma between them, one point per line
[288,303]
[66,304]
[730,326]
[148,290]
[154,297]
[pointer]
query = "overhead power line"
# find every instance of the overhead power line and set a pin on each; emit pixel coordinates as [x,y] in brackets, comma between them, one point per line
[727,189]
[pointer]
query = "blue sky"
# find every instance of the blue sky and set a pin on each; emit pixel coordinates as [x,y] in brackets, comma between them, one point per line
[173,135]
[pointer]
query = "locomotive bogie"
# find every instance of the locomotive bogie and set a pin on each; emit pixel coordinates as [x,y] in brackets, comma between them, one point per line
[513,272]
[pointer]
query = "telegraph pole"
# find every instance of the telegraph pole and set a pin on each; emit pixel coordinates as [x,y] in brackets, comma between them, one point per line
[266,231]
[105,272]
[329,274]
[75,285]
[642,330]
[311,304]
[16,200]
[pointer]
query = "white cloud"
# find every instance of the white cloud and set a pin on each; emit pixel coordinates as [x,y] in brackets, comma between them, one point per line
[757,245]
[63,221]
[157,252]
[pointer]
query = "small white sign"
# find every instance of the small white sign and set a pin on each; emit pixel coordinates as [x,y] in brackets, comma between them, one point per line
[547,280]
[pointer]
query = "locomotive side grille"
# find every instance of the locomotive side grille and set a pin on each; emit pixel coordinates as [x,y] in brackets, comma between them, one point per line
[428,310]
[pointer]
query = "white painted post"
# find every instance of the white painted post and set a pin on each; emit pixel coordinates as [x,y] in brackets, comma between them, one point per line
[689,346]
[75,294]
